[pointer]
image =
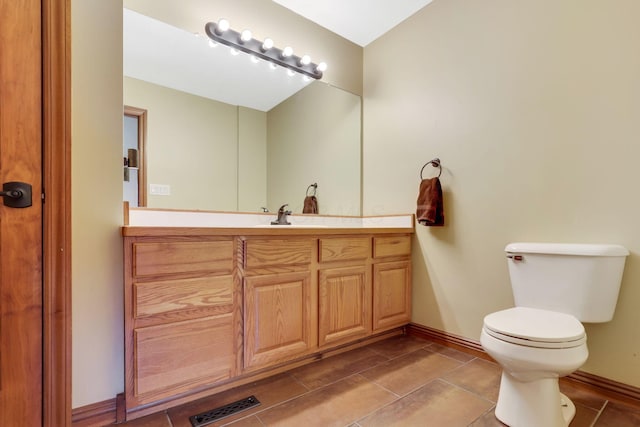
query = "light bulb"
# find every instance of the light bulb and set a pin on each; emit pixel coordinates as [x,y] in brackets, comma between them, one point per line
[306,78]
[254,59]
[322,67]
[212,43]
[246,36]
[305,60]
[273,66]
[223,25]
[234,51]
[291,73]
[287,52]
[267,44]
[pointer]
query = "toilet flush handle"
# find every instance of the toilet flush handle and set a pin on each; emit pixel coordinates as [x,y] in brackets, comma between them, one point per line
[515,257]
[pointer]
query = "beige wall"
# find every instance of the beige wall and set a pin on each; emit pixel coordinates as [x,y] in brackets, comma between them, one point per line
[252,159]
[192,146]
[533,108]
[266,19]
[315,137]
[96,108]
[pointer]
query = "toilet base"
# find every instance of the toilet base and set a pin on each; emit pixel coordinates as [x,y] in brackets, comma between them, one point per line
[533,403]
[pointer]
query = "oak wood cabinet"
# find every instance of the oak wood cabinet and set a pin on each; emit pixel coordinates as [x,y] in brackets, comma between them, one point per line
[391,282]
[181,315]
[392,294]
[279,318]
[344,289]
[208,310]
[344,305]
[280,303]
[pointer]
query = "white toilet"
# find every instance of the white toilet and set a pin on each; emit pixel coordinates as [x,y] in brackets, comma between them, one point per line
[555,286]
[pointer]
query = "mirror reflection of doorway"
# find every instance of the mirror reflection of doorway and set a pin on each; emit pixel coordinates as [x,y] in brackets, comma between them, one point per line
[134,140]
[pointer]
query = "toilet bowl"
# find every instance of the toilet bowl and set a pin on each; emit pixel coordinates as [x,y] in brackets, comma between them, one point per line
[534,347]
[556,286]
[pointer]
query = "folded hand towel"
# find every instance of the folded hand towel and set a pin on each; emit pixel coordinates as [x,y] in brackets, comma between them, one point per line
[310,205]
[430,204]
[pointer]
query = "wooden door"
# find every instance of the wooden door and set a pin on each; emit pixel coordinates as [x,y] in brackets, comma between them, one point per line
[135,136]
[21,228]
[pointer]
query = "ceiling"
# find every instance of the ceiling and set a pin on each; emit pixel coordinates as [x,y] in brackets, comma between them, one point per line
[162,54]
[360,21]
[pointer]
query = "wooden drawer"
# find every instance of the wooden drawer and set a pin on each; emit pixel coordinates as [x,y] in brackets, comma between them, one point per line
[153,259]
[153,298]
[344,249]
[183,355]
[391,246]
[274,252]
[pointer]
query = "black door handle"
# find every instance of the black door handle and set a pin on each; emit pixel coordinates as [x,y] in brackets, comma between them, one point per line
[16,194]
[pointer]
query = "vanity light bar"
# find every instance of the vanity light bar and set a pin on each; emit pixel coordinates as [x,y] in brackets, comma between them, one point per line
[219,32]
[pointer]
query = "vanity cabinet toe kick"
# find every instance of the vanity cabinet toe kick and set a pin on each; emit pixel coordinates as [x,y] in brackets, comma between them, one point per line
[205,313]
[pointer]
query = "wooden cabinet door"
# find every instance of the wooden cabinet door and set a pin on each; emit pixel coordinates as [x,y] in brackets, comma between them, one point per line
[344,304]
[391,294]
[280,318]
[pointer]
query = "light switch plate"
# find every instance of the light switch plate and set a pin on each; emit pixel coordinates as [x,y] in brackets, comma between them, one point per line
[160,189]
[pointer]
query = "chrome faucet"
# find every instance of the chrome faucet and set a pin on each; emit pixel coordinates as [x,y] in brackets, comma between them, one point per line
[282,216]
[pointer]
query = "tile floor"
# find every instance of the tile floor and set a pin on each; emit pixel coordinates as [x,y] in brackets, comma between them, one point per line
[402,381]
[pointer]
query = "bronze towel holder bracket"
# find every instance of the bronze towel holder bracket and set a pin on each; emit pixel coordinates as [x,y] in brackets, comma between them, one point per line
[435,163]
[315,187]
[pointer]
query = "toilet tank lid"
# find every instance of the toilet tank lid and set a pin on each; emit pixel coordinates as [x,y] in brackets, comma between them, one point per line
[583,249]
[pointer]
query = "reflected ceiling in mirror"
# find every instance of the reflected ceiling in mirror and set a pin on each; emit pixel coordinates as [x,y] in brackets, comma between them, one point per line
[159,53]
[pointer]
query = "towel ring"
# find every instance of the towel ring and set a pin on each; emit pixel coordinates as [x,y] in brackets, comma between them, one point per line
[315,187]
[435,163]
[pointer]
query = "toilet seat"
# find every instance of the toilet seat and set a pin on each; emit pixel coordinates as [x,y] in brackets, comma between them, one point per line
[534,327]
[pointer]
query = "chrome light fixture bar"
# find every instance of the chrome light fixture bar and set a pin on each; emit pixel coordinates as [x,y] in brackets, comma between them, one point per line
[221,33]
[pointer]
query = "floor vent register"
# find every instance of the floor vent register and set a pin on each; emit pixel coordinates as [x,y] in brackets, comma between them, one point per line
[223,411]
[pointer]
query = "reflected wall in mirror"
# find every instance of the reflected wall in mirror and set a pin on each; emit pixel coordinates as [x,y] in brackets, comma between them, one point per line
[314,137]
[221,156]
[216,156]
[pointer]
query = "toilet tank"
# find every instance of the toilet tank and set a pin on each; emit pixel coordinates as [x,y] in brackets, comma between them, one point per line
[578,279]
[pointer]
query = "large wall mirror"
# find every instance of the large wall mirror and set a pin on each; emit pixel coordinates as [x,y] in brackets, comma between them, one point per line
[258,140]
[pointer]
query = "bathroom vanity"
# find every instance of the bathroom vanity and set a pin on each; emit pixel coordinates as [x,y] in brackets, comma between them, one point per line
[210,308]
